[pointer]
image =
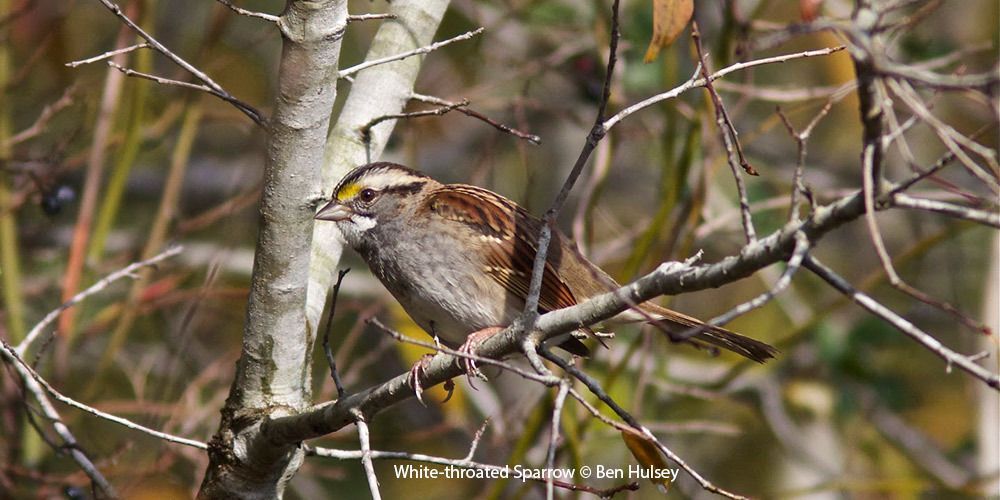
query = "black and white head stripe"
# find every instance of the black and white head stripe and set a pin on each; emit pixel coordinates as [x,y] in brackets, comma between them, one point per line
[381,176]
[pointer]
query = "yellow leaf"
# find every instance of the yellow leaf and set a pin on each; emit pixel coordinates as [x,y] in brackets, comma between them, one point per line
[648,456]
[669,19]
[411,354]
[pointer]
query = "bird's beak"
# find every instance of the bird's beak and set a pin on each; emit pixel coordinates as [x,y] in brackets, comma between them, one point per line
[334,211]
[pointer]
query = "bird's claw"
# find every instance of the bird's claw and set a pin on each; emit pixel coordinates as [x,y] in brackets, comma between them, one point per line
[472,343]
[416,372]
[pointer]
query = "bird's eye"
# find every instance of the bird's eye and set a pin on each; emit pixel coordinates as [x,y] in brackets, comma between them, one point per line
[367,195]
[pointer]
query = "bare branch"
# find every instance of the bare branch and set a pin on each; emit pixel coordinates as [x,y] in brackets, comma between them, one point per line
[982,81]
[247,109]
[11,356]
[695,82]
[989,218]
[799,253]
[365,130]
[637,428]
[366,455]
[526,322]
[410,53]
[730,138]
[784,94]
[128,271]
[41,122]
[369,17]
[217,89]
[953,140]
[249,13]
[550,459]
[326,335]
[802,140]
[542,379]
[466,463]
[464,109]
[108,54]
[901,324]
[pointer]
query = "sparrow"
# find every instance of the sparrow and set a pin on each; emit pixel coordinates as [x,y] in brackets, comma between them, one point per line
[459,258]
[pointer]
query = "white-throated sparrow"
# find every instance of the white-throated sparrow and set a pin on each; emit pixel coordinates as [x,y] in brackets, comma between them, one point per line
[458,258]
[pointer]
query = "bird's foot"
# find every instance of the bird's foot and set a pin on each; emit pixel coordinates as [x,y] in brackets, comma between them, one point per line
[472,343]
[416,372]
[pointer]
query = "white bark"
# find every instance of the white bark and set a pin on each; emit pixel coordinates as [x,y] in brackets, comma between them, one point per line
[273,373]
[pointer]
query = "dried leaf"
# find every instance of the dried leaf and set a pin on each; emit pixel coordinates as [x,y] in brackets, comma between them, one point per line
[669,19]
[648,456]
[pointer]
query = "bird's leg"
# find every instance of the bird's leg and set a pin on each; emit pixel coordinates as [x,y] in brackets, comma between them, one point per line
[472,343]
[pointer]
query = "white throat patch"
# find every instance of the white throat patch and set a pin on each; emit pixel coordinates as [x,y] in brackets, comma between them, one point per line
[364,223]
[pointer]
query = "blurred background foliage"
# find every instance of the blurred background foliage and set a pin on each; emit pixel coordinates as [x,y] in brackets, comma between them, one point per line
[823,419]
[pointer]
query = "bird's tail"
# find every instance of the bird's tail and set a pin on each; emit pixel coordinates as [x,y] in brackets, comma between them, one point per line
[674,323]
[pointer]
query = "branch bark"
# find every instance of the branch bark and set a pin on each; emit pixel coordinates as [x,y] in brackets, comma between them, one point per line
[273,373]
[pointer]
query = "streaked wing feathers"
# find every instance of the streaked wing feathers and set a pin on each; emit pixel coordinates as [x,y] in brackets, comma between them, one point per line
[509,242]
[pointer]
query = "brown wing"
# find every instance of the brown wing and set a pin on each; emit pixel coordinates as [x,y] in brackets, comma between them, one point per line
[509,236]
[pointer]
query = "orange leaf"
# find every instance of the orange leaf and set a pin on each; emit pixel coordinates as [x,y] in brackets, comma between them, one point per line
[649,456]
[669,19]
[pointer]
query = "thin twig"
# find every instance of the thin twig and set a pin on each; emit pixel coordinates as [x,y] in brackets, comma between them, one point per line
[108,54]
[784,94]
[730,138]
[365,130]
[366,455]
[526,322]
[938,165]
[872,153]
[637,428]
[42,121]
[128,271]
[369,17]
[952,139]
[550,459]
[476,438]
[71,445]
[695,81]
[249,13]
[801,249]
[496,470]
[247,109]
[464,109]
[952,358]
[23,367]
[217,89]
[802,140]
[989,218]
[542,379]
[981,81]
[410,53]
[326,335]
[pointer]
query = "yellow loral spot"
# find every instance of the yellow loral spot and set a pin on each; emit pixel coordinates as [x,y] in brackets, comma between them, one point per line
[348,191]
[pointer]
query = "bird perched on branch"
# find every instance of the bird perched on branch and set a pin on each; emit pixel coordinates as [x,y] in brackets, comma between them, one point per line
[459,259]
